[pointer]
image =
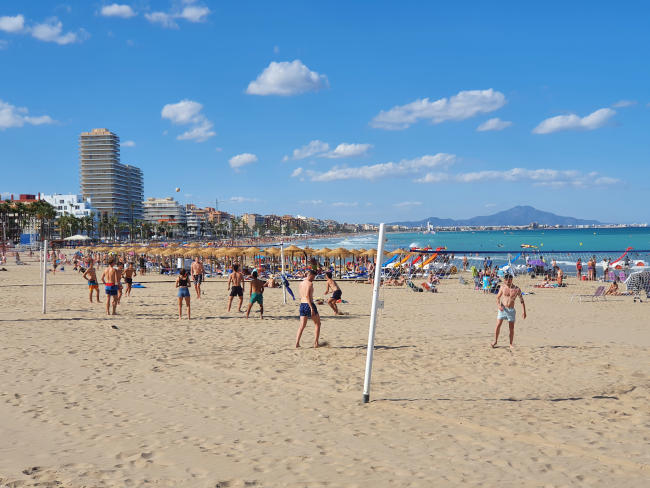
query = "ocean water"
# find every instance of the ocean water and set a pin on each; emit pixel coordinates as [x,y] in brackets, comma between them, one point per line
[563,245]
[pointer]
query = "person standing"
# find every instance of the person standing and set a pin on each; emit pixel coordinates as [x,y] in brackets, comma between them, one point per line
[129,273]
[256,294]
[91,276]
[236,286]
[118,273]
[183,284]
[506,297]
[333,287]
[579,269]
[109,279]
[197,273]
[308,308]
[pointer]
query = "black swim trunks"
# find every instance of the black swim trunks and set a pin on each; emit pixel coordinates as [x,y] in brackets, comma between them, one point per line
[128,281]
[198,279]
[305,310]
[236,291]
[336,295]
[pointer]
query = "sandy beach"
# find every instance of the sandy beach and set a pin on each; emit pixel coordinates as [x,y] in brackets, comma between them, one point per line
[220,401]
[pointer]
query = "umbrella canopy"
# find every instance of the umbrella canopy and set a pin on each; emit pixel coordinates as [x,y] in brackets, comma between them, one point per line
[77,237]
[292,248]
[309,250]
[251,251]
[340,251]
[195,244]
[233,252]
[323,252]
[397,251]
[272,251]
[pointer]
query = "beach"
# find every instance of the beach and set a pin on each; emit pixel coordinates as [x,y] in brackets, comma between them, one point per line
[224,401]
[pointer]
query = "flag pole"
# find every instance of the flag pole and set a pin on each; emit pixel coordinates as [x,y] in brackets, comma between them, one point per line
[45,275]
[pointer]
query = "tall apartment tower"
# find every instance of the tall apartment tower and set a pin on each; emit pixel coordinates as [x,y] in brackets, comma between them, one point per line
[115,189]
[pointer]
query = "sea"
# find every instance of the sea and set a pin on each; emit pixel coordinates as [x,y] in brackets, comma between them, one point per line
[563,245]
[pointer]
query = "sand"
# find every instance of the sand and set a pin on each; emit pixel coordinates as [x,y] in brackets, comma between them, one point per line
[223,401]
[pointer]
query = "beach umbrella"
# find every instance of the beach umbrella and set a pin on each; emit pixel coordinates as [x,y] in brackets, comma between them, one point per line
[251,251]
[323,252]
[195,244]
[272,251]
[397,251]
[309,251]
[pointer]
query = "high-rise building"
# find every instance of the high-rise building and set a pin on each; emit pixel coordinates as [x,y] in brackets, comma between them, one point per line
[115,189]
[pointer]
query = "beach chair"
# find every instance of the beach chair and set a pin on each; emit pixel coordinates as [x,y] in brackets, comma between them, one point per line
[598,294]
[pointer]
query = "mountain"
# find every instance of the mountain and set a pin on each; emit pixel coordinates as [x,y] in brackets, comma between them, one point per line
[519,215]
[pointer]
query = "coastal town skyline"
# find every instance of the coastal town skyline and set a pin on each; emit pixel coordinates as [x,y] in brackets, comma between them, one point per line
[333,116]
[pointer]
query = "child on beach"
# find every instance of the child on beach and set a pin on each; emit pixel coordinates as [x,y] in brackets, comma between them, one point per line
[91,276]
[129,273]
[333,287]
[183,284]
[256,294]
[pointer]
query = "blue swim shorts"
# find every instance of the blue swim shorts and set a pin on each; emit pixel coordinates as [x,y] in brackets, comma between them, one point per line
[508,314]
[305,311]
[183,292]
[111,290]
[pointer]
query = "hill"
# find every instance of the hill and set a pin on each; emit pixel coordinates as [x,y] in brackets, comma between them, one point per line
[519,215]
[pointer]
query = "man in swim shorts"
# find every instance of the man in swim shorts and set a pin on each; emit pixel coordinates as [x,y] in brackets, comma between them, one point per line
[197,275]
[91,276]
[307,307]
[333,287]
[255,294]
[109,279]
[506,304]
[236,286]
[119,271]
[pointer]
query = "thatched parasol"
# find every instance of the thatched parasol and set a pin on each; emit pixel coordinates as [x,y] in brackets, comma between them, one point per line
[397,251]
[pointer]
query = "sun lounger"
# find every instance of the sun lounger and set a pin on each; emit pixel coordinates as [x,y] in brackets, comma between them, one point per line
[598,294]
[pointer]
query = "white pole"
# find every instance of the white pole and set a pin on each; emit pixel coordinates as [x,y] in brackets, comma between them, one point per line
[373,314]
[44,275]
[40,262]
[284,288]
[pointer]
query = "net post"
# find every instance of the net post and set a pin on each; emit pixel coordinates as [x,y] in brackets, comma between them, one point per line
[373,313]
[45,275]
[284,286]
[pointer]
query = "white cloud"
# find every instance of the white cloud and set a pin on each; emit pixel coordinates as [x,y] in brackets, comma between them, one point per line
[321,149]
[345,204]
[12,116]
[242,160]
[493,124]
[624,103]
[12,24]
[308,150]
[117,10]
[128,144]
[242,199]
[545,177]
[162,18]
[287,78]
[311,202]
[52,31]
[190,13]
[296,172]
[463,105]
[345,150]
[593,121]
[195,14]
[188,112]
[407,204]
[382,170]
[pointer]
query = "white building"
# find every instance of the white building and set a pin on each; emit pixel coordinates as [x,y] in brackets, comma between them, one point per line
[72,205]
[165,211]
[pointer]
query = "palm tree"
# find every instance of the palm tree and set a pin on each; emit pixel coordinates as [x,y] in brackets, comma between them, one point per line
[113,222]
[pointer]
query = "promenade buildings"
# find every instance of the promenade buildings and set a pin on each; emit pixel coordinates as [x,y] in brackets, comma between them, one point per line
[115,189]
[164,211]
[73,205]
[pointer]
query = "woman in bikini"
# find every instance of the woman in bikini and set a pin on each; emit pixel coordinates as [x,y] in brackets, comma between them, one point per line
[183,283]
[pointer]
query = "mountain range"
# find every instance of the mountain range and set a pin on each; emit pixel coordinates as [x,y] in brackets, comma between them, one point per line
[519,215]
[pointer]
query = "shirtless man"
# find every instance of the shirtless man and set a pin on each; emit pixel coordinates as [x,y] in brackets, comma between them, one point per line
[119,271]
[506,303]
[91,276]
[129,273]
[109,279]
[307,307]
[336,292]
[236,286]
[255,294]
[55,262]
[197,275]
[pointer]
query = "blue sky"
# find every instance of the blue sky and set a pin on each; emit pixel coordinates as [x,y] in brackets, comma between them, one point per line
[359,111]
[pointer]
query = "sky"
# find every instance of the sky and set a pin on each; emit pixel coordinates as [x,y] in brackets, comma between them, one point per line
[369,111]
